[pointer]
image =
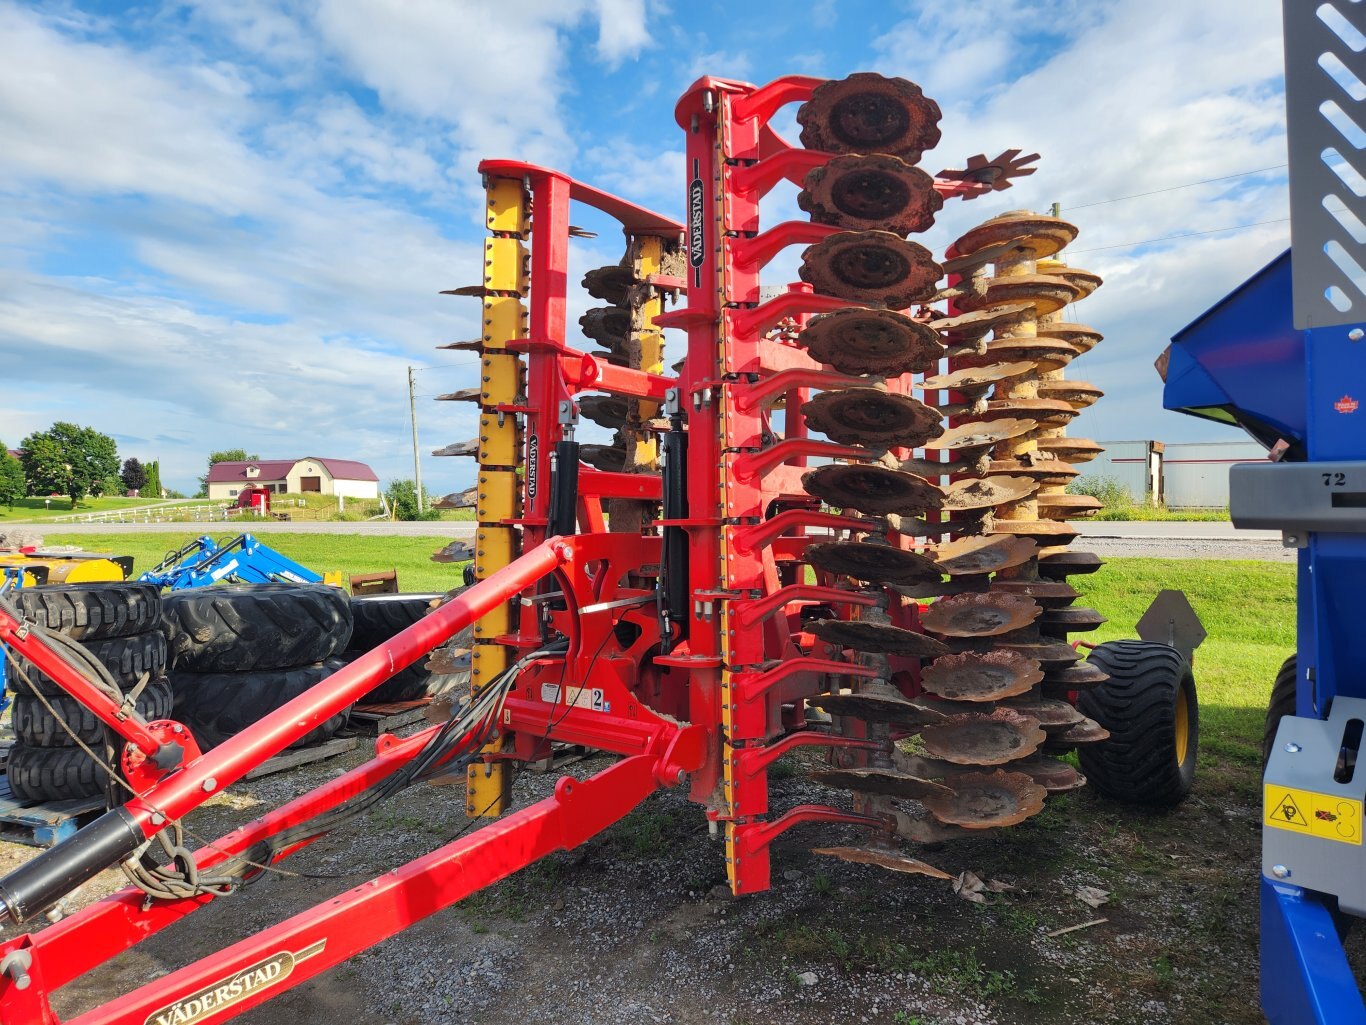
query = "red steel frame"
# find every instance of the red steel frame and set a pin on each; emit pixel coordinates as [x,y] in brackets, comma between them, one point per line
[735,675]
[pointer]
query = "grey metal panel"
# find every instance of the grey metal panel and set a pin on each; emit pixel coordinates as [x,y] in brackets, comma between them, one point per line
[1299,497]
[1304,758]
[1321,35]
[1123,461]
[1195,474]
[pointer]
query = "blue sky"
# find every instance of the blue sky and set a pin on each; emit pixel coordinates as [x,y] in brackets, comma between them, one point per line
[226,224]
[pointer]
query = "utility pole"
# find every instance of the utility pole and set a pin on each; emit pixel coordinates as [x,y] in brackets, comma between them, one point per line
[417,463]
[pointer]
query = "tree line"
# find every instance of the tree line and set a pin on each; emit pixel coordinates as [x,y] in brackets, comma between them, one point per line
[78,462]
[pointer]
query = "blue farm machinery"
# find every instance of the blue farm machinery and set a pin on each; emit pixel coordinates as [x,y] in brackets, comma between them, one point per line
[1284,357]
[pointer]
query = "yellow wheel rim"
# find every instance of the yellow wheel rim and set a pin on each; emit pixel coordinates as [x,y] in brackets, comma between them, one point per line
[1183,726]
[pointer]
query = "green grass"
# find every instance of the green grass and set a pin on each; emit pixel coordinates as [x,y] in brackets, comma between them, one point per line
[33,509]
[1248,610]
[410,556]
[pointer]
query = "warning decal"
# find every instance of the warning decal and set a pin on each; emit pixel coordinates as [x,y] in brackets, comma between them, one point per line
[1320,815]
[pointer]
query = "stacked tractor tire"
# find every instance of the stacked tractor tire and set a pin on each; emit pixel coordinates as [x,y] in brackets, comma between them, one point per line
[121,626]
[216,659]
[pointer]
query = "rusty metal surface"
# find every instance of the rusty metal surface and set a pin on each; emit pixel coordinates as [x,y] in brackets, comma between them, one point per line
[979,615]
[879,638]
[1085,281]
[1051,654]
[980,434]
[1077,394]
[972,379]
[878,563]
[980,676]
[1045,235]
[874,267]
[604,457]
[1046,354]
[981,738]
[1082,674]
[872,416]
[604,410]
[1044,469]
[1066,564]
[988,800]
[1054,775]
[1044,532]
[986,492]
[971,555]
[1072,450]
[609,326]
[1047,294]
[872,489]
[876,191]
[883,857]
[863,341]
[869,113]
[1071,620]
[1050,594]
[1088,731]
[999,171]
[962,326]
[609,283]
[1082,336]
[878,708]
[1044,412]
[1051,713]
[883,782]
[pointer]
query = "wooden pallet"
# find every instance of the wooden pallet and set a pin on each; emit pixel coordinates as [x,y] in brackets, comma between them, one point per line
[304,756]
[372,720]
[45,824]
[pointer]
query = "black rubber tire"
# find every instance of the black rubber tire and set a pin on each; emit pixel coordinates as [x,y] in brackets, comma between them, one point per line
[1140,762]
[377,617]
[53,774]
[34,725]
[88,612]
[126,658]
[217,706]
[1282,704]
[243,627]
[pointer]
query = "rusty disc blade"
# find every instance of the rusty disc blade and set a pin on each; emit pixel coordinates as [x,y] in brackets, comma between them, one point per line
[1051,654]
[1064,506]
[971,555]
[879,638]
[607,325]
[1052,714]
[979,615]
[1081,674]
[1085,281]
[1054,775]
[971,379]
[964,326]
[980,676]
[871,416]
[878,708]
[1073,450]
[1044,412]
[884,782]
[878,191]
[878,563]
[1077,394]
[1046,354]
[1071,620]
[1044,236]
[1082,336]
[1049,594]
[984,800]
[604,410]
[872,489]
[1088,731]
[609,283]
[862,341]
[918,825]
[979,434]
[883,858]
[980,738]
[1044,533]
[1066,564]
[986,492]
[869,113]
[1047,294]
[603,457]
[1042,469]
[875,267]
[914,526]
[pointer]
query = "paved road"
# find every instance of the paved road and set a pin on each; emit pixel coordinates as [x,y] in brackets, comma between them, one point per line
[1166,540]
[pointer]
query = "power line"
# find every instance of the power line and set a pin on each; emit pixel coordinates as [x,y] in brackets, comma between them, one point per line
[1173,188]
[1168,238]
